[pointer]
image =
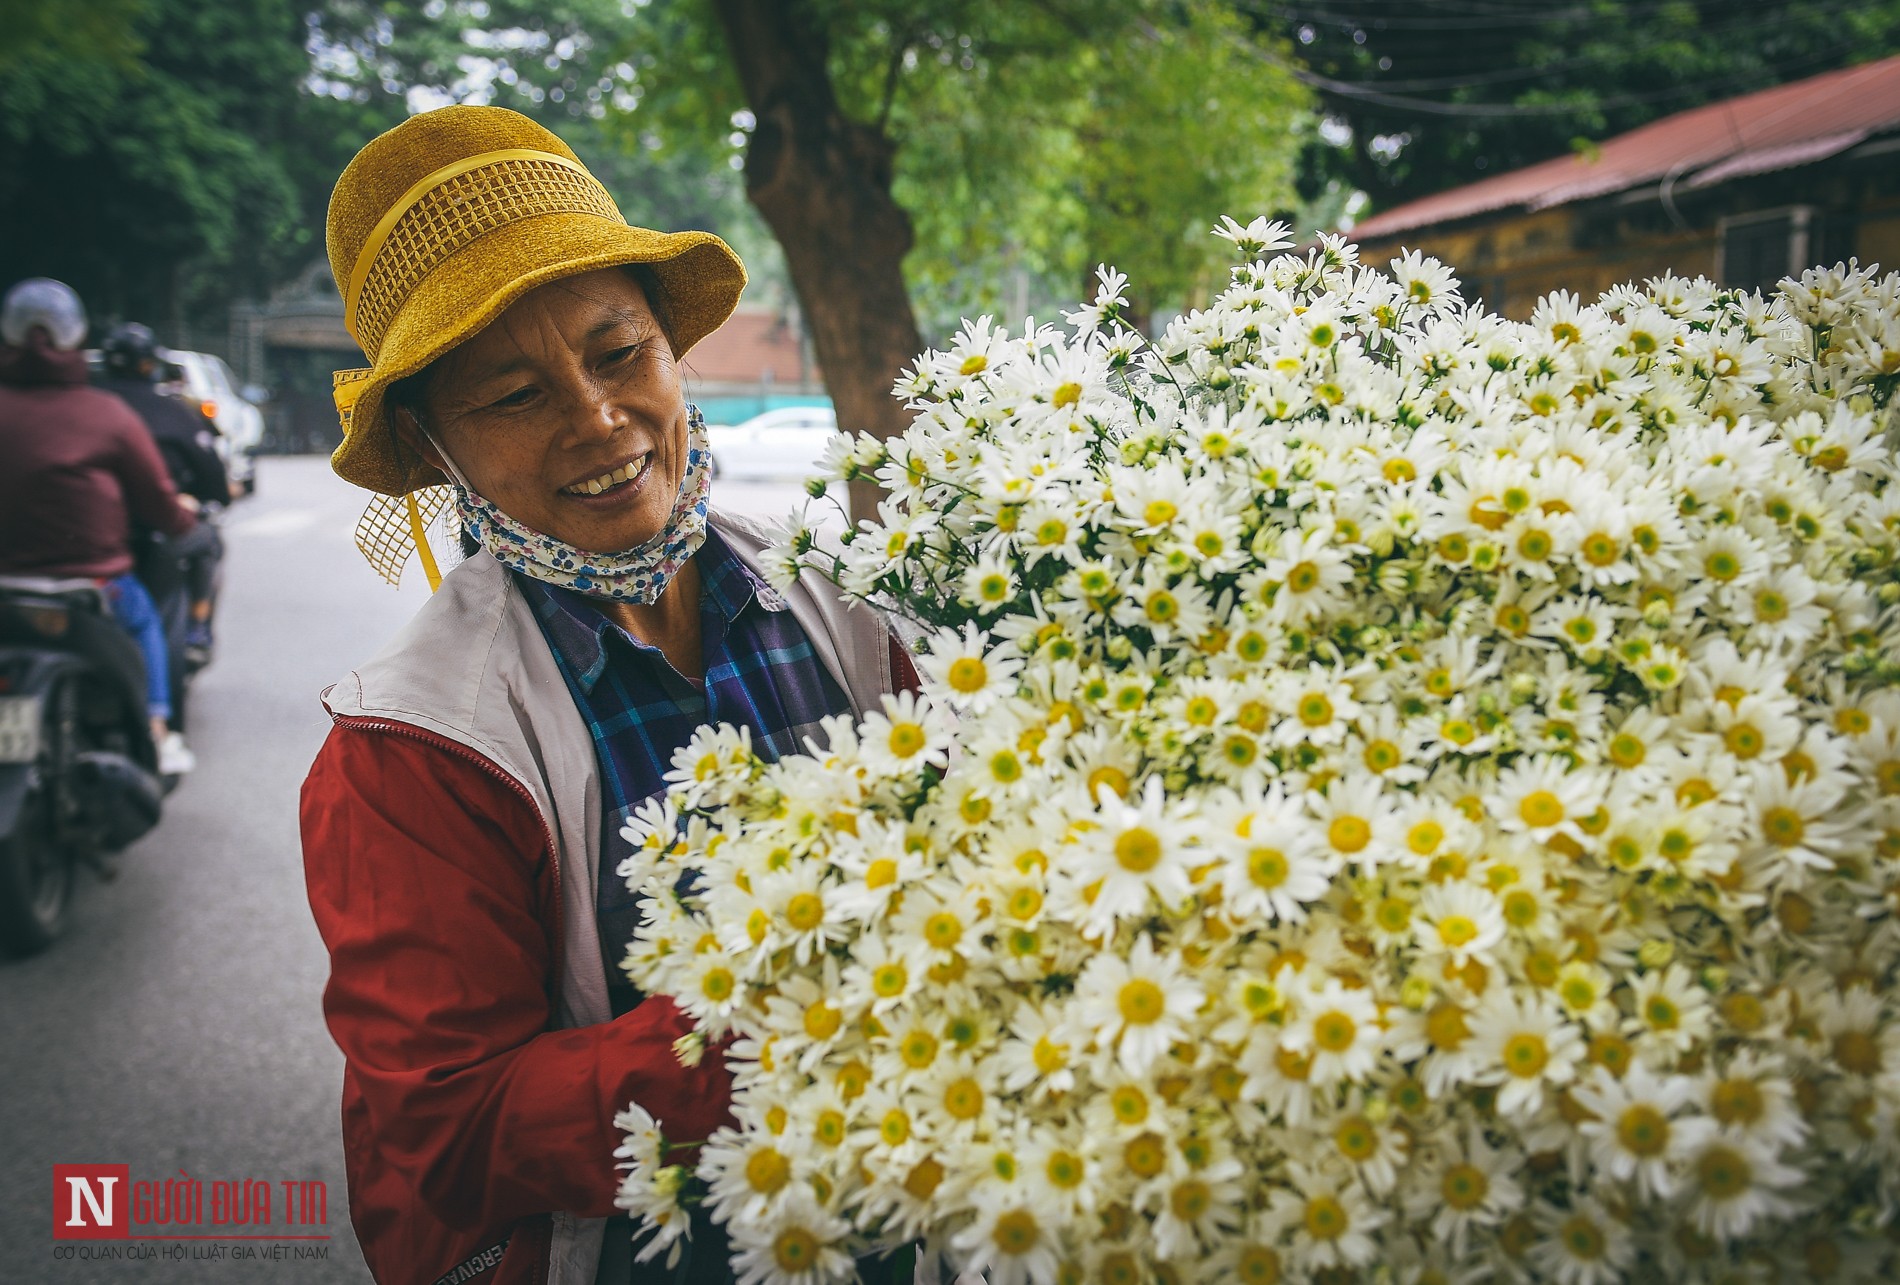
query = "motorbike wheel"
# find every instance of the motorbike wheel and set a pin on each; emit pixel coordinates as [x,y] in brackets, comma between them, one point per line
[36,883]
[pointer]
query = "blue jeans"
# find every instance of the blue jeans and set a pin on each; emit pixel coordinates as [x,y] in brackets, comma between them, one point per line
[138,615]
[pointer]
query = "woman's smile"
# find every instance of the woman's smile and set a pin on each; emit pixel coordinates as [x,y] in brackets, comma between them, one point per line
[616,485]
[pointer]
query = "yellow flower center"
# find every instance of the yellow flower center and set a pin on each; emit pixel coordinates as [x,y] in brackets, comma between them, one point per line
[1582,1238]
[1138,849]
[1348,833]
[1541,808]
[889,980]
[907,739]
[717,984]
[1335,1031]
[1446,1027]
[894,1128]
[805,911]
[1784,827]
[1141,1002]
[1737,1101]
[1457,931]
[921,1182]
[1464,1186]
[1016,1232]
[1356,1139]
[795,1250]
[1643,1130]
[1065,1169]
[822,1021]
[1190,1200]
[1724,1173]
[918,1049]
[766,1171]
[1145,1156]
[967,675]
[963,1099]
[943,930]
[1526,1055]
[1326,1218]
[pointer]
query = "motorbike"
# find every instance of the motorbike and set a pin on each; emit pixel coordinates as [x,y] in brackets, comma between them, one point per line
[79,775]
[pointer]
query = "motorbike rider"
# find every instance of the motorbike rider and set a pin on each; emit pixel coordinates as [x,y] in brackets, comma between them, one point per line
[187,442]
[77,468]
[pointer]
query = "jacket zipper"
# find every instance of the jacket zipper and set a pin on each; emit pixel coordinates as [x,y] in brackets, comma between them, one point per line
[488,766]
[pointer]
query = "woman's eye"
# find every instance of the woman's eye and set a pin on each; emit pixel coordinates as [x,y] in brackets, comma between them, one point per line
[619,355]
[520,397]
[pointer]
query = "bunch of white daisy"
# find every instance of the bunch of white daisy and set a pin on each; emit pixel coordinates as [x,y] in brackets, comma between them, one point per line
[1394,790]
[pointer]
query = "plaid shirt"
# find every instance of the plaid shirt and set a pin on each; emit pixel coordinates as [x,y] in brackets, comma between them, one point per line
[761,673]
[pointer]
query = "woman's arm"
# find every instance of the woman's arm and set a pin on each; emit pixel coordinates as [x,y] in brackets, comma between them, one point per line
[433,889]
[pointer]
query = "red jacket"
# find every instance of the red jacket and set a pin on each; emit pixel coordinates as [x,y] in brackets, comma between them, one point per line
[466,1119]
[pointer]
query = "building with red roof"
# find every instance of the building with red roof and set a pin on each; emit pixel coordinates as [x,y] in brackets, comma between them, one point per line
[1744,191]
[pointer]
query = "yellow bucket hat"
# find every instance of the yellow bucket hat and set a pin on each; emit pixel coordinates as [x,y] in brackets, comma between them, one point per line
[435,228]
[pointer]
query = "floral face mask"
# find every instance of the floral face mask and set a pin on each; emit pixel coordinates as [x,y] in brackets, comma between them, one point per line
[637,575]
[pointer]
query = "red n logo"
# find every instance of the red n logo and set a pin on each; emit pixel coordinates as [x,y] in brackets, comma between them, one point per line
[92,1202]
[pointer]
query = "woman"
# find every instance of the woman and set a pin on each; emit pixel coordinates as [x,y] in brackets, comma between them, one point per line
[461,822]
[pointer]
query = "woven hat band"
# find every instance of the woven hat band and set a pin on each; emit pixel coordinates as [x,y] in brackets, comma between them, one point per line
[444,211]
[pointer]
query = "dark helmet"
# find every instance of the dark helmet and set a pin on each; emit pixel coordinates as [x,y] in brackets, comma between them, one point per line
[127,347]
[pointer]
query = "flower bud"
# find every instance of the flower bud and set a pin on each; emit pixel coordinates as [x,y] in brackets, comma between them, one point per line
[1656,952]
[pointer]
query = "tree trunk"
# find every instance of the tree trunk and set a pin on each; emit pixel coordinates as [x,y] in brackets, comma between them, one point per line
[822,183]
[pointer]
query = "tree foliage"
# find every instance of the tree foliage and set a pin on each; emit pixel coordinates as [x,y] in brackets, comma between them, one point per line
[1422,97]
[569,66]
[151,169]
[1029,141]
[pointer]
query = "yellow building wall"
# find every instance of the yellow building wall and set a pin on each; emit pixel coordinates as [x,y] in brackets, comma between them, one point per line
[1514,259]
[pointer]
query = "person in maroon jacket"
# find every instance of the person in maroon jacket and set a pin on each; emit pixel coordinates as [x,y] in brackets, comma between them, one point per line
[77,469]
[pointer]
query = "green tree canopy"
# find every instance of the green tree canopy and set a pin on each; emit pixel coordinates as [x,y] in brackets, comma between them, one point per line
[150,169]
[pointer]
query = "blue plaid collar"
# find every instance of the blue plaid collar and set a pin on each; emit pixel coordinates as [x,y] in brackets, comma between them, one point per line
[580,632]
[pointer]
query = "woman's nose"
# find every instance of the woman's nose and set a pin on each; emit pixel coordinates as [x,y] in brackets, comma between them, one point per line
[596,414]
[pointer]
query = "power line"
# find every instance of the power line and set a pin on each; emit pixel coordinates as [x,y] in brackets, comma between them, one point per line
[1361,92]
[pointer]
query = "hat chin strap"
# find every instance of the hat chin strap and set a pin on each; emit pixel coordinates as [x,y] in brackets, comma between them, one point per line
[418,529]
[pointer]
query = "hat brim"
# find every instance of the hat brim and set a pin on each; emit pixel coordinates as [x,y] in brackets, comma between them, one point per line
[698,273]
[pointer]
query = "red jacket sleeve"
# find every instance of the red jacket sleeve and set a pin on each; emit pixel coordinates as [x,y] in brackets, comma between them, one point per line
[150,496]
[431,881]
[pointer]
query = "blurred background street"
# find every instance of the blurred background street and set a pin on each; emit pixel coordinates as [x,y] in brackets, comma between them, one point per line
[176,1025]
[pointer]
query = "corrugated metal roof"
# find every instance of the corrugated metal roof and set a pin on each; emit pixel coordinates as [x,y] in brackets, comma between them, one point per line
[1792,124]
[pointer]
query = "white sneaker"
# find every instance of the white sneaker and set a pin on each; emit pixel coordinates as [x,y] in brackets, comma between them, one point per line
[174,757]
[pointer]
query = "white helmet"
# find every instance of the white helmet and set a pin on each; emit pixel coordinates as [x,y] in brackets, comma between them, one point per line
[42,301]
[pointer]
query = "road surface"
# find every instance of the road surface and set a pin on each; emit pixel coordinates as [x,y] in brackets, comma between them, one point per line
[176,1028]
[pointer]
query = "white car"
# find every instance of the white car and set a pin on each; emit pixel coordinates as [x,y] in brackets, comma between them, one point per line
[210,383]
[780,444]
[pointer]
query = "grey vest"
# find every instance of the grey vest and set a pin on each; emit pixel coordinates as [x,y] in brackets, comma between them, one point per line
[473,667]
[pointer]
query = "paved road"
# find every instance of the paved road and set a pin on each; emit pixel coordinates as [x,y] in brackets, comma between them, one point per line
[177,1027]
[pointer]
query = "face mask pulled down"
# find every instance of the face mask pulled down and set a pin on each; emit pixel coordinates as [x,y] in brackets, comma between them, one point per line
[638,575]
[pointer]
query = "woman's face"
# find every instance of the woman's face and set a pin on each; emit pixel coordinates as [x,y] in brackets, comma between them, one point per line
[566,413]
